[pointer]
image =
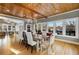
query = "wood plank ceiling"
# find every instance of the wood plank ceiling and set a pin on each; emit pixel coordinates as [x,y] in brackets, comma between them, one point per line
[36,10]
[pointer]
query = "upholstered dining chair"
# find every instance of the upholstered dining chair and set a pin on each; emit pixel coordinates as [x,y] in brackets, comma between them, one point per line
[44,34]
[24,41]
[47,45]
[51,44]
[30,40]
[19,36]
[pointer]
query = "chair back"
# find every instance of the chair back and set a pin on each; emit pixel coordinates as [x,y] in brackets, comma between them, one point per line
[24,36]
[19,36]
[29,37]
[44,33]
[52,38]
[34,32]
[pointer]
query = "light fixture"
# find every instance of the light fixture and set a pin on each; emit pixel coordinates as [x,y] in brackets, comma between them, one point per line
[35,15]
[8,10]
[56,10]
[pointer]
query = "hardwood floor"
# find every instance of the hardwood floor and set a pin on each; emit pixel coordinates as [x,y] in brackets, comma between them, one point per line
[63,48]
[15,48]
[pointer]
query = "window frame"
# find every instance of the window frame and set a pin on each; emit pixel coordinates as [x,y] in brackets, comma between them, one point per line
[76,28]
[64,27]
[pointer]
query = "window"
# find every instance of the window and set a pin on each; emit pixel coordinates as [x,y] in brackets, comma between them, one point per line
[36,27]
[13,27]
[70,27]
[59,27]
[28,28]
[39,31]
[50,26]
[39,27]
[44,27]
[9,28]
[4,27]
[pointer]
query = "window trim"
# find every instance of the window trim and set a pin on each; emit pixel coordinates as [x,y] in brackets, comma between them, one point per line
[76,28]
[64,28]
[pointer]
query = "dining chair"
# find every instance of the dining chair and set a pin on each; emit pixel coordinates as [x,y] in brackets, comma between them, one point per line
[25,41]
[51,44]
[34,34]
[30,40]
[52,39]
[44,34]
[19,36]
[47,45]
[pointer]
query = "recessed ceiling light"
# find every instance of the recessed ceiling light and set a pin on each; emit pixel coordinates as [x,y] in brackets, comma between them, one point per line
[7,10]
[35,15]
[57,11]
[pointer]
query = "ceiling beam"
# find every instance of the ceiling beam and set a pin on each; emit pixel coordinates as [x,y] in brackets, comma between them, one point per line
[31,10]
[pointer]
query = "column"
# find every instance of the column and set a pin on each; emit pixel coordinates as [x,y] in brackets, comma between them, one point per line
[64,28]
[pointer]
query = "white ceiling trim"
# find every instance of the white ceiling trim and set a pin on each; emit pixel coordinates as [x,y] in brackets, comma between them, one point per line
[65,15]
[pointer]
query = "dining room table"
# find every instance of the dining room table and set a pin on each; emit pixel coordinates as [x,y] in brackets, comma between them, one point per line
[39,38]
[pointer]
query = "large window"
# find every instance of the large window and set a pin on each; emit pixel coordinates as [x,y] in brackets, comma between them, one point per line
[70,27]
[4,27]
[9,28]
[44,26]
[36,27]
[39,27]
[50,26]
[59,27]
[66,27]
[28,27]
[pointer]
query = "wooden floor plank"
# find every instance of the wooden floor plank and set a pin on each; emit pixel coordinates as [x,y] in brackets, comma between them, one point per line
[60,48]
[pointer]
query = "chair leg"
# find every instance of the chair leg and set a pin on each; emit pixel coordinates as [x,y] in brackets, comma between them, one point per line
[31,49]
[41,48]
[27,46]
[35,48]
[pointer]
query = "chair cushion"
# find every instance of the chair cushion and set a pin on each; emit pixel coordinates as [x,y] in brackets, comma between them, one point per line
[32,43]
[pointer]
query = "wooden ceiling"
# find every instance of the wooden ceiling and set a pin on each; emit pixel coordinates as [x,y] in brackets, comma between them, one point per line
[36,10]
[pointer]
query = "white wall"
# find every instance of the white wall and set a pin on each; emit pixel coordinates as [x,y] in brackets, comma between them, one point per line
[78,27]
[12,20]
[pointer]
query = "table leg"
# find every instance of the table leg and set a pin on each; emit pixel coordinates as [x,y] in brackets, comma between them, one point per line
[37,45]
